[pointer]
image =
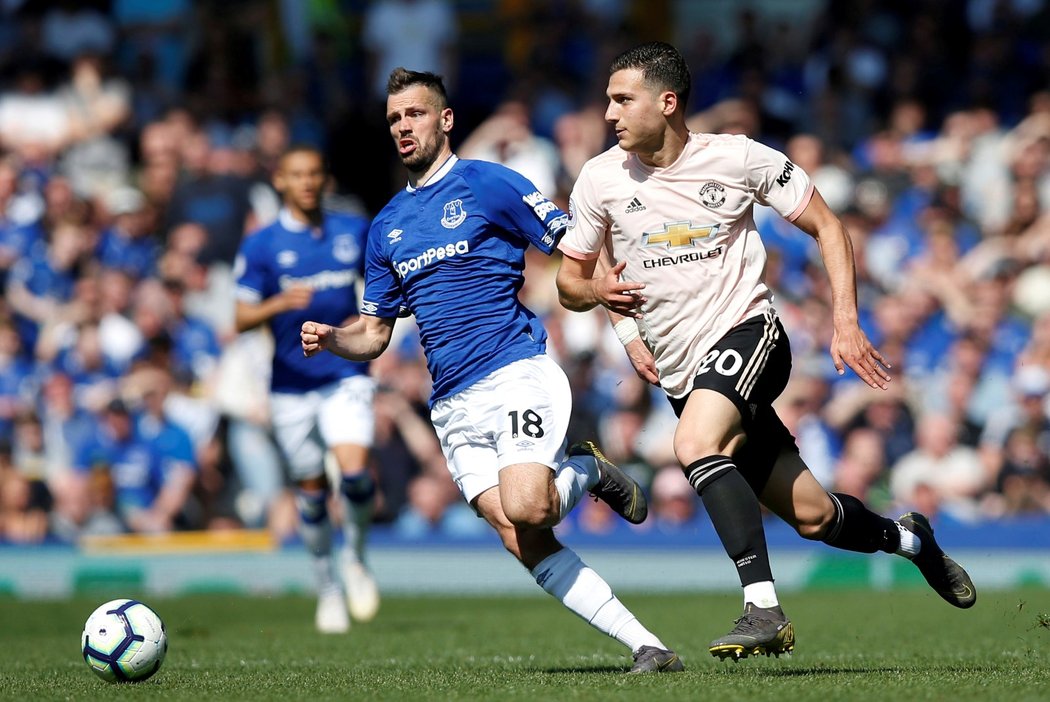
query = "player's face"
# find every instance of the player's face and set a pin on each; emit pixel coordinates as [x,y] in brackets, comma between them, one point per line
[637,113]
[300,179]
[418,125]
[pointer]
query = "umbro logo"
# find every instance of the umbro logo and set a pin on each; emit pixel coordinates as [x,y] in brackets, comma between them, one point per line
[543,577]
[634,206]
[395,235]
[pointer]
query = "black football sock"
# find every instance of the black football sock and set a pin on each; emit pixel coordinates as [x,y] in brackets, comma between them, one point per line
[735,514]
[857,528]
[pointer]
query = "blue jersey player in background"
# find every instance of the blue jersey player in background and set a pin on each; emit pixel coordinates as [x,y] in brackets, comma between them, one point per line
[306,265]
[451,248]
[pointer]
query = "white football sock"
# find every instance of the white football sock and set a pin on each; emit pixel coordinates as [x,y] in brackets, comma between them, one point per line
[315,529]
[358,517]
[575,476]
[910,543]
[761,594]
[564,576]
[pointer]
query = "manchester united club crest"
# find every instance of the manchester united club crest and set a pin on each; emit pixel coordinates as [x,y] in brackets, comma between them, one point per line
[712,194]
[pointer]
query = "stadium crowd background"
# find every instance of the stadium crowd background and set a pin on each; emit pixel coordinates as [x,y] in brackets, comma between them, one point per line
[137,139]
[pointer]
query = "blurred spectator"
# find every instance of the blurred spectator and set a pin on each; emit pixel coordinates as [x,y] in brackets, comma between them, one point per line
[129,244]
[68,30]
[674,505]
[952,472]
[799,408]
[861,469]
[185,344]
[1027,412]
[241,396]
[35,122]
[95,377]
[506,138]
[17,378]
[65,424]
[208,194]
[151,466]
[40,288]
[99,104]
[155,38]
[887,413]
[416,34]
[435,507]
[24,503]
[405,444]
[1023,482]
[183,431]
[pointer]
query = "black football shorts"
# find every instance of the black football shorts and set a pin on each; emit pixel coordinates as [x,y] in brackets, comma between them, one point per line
[751,365]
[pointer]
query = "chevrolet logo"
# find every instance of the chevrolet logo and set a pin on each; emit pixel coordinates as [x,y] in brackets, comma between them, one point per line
[678,234]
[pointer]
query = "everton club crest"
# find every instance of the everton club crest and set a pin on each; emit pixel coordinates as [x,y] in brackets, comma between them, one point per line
[454,214]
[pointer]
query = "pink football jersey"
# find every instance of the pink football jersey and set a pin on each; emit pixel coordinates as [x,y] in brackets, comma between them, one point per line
[687,231]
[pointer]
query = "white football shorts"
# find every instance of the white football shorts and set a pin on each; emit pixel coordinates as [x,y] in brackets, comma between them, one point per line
[517,414]
[306,424]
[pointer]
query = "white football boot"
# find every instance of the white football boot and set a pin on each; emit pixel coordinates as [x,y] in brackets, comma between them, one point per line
[362,593]
[331,616]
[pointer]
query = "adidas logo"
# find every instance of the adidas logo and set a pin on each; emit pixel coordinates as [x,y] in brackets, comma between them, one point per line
[634,206]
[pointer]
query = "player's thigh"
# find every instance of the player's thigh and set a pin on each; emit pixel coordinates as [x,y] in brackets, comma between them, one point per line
[294,420]
[794,494]
[709,425]
[529,546]
[527,492]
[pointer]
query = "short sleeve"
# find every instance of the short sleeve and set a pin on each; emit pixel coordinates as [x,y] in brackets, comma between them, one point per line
[383,296]
[249,271]
[778,183]
[513,203]
[588,222]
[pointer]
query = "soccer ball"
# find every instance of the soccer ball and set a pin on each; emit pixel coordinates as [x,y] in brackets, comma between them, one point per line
[124,641]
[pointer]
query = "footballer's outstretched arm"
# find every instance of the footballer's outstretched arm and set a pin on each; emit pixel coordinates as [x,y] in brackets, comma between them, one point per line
[849,345]
[249,315]
[363,340]
[579,289]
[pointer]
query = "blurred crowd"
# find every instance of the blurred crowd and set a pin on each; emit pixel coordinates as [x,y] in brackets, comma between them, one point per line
[137,141]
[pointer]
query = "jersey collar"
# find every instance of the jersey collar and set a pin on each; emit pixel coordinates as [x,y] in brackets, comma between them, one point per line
[291,223]
[438,174]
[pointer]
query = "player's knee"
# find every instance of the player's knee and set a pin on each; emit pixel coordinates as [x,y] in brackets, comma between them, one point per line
[814,523]
[531,513]
[689,449]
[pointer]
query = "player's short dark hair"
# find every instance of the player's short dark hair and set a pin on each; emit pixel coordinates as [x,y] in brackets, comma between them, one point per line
[304,148]
[402,79]
[662,67]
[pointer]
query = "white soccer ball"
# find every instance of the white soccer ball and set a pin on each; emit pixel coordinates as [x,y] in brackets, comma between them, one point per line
[124,641]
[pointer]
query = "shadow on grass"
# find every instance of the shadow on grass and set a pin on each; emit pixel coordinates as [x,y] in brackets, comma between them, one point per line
[836,671]
[600,669]
[827,672]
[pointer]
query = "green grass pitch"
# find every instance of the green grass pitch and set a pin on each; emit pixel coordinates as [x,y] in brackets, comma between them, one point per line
[852,645]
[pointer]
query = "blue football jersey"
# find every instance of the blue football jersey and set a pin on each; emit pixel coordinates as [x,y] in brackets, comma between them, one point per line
[453,252]
[330,261]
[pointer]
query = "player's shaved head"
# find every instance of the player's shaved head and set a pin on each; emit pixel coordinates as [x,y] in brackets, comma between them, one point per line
[662,67]
[401,79]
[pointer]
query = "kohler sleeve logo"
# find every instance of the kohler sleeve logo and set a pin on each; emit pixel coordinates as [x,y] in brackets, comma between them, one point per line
[784,177]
